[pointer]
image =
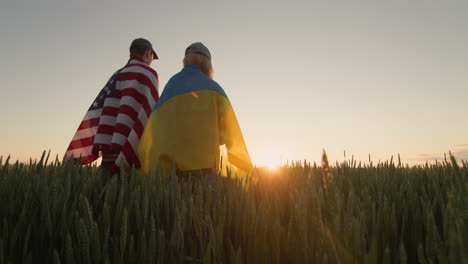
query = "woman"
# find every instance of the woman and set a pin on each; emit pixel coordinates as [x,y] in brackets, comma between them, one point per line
[191,121]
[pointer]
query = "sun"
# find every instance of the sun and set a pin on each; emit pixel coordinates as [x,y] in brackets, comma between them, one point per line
[267,158]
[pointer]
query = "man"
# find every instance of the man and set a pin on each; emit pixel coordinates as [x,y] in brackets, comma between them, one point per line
[190,122]
[113,125]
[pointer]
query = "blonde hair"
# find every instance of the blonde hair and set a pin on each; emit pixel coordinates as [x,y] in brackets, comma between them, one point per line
[201,61]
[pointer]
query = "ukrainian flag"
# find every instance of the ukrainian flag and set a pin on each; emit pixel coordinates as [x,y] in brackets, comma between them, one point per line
[192,119]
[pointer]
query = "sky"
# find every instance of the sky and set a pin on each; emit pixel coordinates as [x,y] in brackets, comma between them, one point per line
[356,78]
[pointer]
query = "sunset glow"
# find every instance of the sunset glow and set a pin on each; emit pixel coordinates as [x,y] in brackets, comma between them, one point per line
[268,158]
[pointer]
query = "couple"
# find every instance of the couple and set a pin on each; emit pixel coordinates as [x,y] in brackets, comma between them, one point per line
[130,125]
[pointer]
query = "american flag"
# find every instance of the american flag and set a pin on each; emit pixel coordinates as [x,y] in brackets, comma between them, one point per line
[116,118]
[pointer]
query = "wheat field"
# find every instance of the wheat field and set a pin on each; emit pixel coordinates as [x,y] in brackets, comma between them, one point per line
[347,212]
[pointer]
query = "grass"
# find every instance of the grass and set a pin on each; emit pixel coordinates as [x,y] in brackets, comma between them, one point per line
[54,212]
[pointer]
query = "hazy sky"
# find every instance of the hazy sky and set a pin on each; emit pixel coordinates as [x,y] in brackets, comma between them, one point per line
[365,77]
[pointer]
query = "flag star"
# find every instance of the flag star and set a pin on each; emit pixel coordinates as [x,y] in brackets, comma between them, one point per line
[108,92]
[95,104]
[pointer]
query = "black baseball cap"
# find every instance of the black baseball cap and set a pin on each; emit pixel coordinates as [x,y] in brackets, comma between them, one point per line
[143,43]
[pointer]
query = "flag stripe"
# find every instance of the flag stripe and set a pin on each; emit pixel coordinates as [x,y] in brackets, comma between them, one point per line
[92,114]
[85,133]
[101,139]
[81,143]
[125,120]
[106,129]
[122,129]
[130,155]
[143,117]
[133,140]
[76,153]
[127,110]
[130,101]
[138,127]
[112,102]
[88,123]
[88,159]
[118,140]
[143,65]
[147,71]
[107,120]
[138,97]
[141,78]
[110,111]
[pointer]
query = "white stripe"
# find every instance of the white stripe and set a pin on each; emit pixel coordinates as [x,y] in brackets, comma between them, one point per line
[107,120]
[130,101]
[143,118]
[135,61]
[92,114]
[112,102]
[145,72]
[84,133]
[140,88]
[151,100]
[83,152]
[102,139]
[133,140]
[119,139]
[125,120]
[121,161]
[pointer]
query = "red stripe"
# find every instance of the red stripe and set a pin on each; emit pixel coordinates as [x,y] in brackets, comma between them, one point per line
[130,155]
[115,147]
[128,110]
[110,111]
[154,92]
[85,124]
[140,77]
[88,159]
[105,129]
[155,95]
[146,107]
[83,159]
[138,128]
[122,129]
[143,100]
[81,143]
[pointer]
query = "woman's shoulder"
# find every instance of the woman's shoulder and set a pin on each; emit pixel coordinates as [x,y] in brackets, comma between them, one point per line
[215,86]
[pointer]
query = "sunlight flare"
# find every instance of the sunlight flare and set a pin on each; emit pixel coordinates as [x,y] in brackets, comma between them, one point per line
[270,158]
